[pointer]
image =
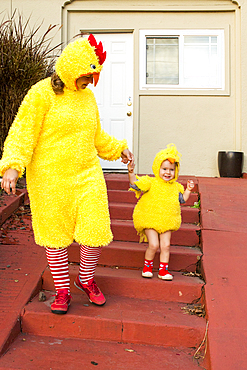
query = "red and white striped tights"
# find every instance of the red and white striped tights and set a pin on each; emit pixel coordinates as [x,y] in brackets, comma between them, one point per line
[58,263]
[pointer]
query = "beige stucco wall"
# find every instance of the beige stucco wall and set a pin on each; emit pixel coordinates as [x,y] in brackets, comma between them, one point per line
[42,13]
[200,125]
[243,75]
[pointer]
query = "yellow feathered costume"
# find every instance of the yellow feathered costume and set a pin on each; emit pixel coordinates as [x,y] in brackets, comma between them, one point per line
[158,207]
[58,138]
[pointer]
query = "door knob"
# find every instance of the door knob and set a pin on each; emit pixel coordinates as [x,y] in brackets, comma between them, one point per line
[129,114]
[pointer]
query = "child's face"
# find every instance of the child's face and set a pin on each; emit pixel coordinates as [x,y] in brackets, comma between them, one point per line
[167,170]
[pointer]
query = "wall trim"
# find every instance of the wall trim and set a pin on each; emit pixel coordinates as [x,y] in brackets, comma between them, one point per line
[87,6]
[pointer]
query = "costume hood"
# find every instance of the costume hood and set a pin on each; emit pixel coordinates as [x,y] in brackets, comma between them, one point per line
[170,153]
[81,57]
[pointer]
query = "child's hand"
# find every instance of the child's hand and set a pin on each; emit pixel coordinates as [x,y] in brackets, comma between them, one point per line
[190,185]
[131,167]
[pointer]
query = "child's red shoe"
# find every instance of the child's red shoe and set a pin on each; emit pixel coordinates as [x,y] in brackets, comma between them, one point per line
[62,301]
[165,275]
[147,271]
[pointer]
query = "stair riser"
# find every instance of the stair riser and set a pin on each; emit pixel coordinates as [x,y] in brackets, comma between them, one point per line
[140,288]
[162,335]
[123,183]
[179,260]
[95,328]
[129,197]
[189,215]
[11,204]
[181,237]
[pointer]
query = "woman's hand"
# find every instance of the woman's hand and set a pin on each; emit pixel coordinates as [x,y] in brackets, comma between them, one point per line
[9,180]
[127,156]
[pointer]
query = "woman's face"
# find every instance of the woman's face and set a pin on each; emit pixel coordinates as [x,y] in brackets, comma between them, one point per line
[83,81]
[167,170]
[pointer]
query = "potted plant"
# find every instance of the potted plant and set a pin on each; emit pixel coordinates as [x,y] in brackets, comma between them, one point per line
[230,163]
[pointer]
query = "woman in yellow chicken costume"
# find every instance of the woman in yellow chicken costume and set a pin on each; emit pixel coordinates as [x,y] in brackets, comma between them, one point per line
[57,137]
[158,213]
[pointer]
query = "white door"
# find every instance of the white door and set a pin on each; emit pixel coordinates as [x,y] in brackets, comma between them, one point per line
[114,91]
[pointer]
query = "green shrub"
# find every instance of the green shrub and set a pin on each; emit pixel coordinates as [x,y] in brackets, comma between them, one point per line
[25,59]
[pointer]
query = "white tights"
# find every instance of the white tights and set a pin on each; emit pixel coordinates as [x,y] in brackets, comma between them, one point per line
[58,263]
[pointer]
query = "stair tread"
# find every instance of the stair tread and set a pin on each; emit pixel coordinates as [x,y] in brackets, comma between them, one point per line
[124,196]
[124,211]
[179,278]
[120,319]
[132,246]
[184,208]
[135,246]
[131,255]
[32,352]
[128,274]
[132,205]
[121,181]
[184,226]
[130,283]
[122,309]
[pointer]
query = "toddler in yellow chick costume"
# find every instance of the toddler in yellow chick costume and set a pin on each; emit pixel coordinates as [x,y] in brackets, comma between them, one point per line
[57,136]
[158,212]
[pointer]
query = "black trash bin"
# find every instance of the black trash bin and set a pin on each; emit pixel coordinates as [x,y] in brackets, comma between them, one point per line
[230,164]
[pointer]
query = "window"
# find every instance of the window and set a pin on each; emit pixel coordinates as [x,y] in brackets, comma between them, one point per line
[182,59]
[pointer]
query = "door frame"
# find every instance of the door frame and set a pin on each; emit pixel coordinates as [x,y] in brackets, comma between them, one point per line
[118,31]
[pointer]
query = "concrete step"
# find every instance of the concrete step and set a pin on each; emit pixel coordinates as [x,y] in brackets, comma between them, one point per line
[10,203]
[121,181]
[41,352]
[123,230]
[124,211]
[131,255]
[130,283]
[122,196]
[121,319]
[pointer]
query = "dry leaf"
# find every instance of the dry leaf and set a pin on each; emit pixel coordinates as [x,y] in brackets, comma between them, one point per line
[198,310]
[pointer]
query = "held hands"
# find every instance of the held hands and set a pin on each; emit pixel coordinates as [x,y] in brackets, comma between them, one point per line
[9,180]
[131,167]
[127,156]
[190,185]
[132,176]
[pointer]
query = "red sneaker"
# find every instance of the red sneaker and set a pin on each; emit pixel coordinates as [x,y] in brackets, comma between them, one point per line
[147,271]
[92,290]
[62,302]
[165,275]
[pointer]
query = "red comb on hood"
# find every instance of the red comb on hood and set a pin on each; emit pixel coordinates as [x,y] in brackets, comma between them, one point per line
[98,48]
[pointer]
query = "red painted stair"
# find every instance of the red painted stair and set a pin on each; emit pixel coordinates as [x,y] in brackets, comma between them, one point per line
[124,320]
[32,352]
[130,255]
[124,211]
[128,283]
[142,316]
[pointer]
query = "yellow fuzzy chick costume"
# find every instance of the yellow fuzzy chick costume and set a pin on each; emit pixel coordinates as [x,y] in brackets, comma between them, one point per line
[58,138]
[158,207]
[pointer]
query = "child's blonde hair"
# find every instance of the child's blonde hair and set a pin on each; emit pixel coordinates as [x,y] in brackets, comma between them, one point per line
[169,153]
